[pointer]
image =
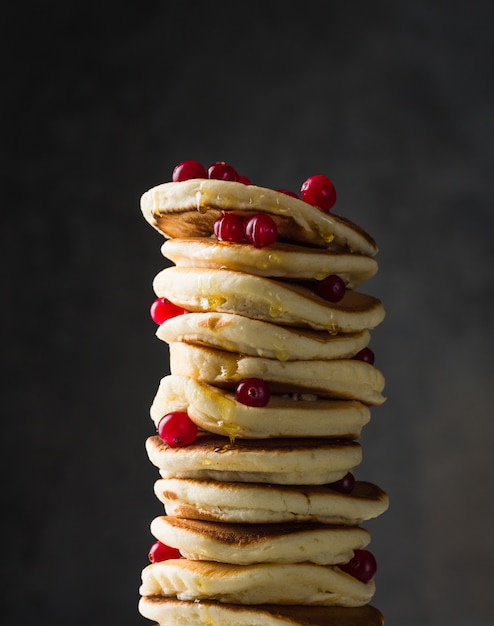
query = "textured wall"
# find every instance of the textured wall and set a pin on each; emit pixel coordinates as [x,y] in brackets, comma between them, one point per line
[392,100]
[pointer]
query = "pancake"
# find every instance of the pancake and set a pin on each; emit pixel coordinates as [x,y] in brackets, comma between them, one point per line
[256,503]
[190,208]
[280,260]
[173,612]
[237,333]
[279,461]
[259,583]
[346,379]
[202,289]
[243,544]
[217,411]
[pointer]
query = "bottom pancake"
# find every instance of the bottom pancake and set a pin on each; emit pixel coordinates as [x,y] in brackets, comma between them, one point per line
[173,612]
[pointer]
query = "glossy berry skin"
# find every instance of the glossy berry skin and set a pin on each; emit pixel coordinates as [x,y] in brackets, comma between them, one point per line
[261,230]
[345,484]
[229,227]
[177,429]
[222,171]
[366,355]
[161,552]
[362,566]
[319,191]
[331,288]
[186,170]
[162,309]
[244,180]
[253,392]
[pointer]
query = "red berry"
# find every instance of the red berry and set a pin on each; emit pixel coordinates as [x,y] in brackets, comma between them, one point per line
[287,192]
[177,429]
[345,484]
[187,170]
[253,392]
[229,227]
[161,552]
[222,171]
[244,180]
[162,309]
[366,355]
[331,288]
[319,191]
[261,230]
[362,566]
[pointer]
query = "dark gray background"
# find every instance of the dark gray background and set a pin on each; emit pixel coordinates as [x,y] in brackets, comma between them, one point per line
[393,101]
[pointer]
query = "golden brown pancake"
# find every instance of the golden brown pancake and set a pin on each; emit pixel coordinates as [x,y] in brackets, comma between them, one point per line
[237,333]
[257,503]
[190,208]
[280,461]
[259,583]
[280,260]
[295,415]
[173,612]
[202,289]
[347,379]
[243,544]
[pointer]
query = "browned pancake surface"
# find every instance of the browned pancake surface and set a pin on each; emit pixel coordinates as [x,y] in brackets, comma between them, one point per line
[299,615]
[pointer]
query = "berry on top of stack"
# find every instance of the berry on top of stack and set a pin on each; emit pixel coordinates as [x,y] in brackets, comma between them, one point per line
[258,422]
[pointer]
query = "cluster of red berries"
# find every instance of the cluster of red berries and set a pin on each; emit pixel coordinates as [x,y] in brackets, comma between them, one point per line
[219,170]
[259,230]
[317,190]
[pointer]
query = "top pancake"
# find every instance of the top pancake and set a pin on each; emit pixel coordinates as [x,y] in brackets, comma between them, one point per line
[190,208]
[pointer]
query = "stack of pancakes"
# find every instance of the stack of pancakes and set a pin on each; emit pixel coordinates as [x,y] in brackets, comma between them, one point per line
[252,503]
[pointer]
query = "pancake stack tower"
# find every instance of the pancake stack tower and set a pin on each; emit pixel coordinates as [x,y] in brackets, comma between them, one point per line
[258,423]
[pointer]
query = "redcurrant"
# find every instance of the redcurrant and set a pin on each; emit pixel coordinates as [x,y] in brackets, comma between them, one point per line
[161,552]
[331,288]
[253,392]
[287,192]
[319,191]
[187,170]
[362,566]
[345,484]
[177,429]
[222,171]
[244,180]
[261,230]
[229,227]
[366,355]
[162,309]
